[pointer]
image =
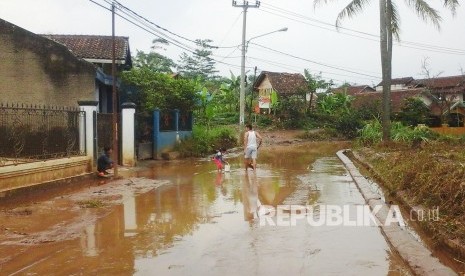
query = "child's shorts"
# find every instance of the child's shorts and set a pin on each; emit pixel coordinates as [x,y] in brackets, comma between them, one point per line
[218,163]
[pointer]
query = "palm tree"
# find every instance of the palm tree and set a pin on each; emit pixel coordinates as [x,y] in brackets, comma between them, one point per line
[389,27]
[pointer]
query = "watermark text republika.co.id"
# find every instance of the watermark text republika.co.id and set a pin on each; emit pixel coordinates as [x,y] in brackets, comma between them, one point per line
[336,215]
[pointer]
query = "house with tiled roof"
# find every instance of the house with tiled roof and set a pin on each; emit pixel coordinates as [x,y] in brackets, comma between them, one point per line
[98,50]
[36,70]
[444,96]
[280,84]
[398,84]
[447,85]
[353,90]
[398,97]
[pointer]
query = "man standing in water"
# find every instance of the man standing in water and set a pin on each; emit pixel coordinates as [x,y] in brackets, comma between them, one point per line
[252,141]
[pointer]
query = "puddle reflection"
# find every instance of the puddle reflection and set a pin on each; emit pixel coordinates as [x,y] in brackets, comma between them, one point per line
[205,223]
[250,199]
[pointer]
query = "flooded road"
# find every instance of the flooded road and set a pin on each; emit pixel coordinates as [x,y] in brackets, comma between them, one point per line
[209,223]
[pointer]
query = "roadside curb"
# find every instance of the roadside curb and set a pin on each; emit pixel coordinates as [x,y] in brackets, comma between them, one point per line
[415,254]
[12,194]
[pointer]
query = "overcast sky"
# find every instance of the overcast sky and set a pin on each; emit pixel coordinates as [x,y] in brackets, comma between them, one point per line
[311,42]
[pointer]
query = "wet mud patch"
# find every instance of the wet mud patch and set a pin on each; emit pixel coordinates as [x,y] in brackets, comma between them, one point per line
[64,217]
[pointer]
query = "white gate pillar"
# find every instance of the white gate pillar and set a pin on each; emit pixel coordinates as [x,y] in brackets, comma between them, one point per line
[128,152]
[89,136]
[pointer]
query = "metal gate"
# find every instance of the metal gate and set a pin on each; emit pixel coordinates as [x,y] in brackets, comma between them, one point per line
[104,132]
[144,135]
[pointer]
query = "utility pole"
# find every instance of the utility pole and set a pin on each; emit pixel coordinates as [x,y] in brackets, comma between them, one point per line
[114,94]
[245,5]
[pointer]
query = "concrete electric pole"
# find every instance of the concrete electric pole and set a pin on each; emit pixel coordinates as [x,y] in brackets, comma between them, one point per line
[245,5]
[114,95]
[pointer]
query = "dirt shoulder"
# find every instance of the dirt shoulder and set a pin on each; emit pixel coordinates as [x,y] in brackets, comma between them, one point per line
[430,182]
[413,252]
[272,137]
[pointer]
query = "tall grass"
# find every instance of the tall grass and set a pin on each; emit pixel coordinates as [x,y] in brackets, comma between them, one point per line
[371,133]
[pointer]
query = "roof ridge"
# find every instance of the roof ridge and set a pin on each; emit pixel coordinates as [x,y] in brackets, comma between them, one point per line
[81,35]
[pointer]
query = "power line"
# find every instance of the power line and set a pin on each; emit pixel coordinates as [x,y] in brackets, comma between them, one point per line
[148,26]
[227,33]
[315,62]
[299,69]
[140,17]
[407,44]
[157,33]
[183,46]
[121,6]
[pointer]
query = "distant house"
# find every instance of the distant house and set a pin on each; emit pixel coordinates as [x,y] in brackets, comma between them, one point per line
[373,100]
[99,51]
[354,90]
[444,96]
[36,70]
[280,84]
[451,86]
[398,84]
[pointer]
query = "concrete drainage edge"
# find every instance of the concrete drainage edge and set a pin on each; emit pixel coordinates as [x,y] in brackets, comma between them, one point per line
[415,254]
[452,244]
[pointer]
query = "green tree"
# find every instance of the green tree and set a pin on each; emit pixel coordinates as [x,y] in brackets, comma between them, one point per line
[153,60]
[199,64]
[206,107]
[229,93]
[336,104]
[315,83]
[337,110]
[389,27]
[414,112]
[290,110]
[159,90]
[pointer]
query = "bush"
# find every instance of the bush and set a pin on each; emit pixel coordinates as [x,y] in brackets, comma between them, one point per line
[226,118]
[371,133]
[223,138]
[348,125]
[204,141]
[413,112]
[264,120]
[407,134]
[319,120]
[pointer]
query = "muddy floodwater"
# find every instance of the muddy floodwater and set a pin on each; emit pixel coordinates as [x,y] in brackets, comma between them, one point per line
[184,218]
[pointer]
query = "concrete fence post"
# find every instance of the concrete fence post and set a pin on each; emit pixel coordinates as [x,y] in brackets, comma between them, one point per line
[82,132]
[156,134]
[176,123]
[89,107]
[128,111]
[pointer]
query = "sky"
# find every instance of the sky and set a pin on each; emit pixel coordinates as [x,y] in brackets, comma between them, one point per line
[350,54]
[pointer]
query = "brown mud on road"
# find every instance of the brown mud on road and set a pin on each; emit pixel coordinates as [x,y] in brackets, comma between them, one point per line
[202,223]
[63,218]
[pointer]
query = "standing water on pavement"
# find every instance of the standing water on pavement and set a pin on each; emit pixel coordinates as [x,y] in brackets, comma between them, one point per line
[209,223]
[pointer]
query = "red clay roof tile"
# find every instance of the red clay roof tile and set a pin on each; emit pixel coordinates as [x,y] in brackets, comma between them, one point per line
[93,46]
[283,83]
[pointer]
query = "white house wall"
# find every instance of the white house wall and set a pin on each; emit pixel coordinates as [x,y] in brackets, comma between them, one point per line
[426,100]
[393,87]
[264,93]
